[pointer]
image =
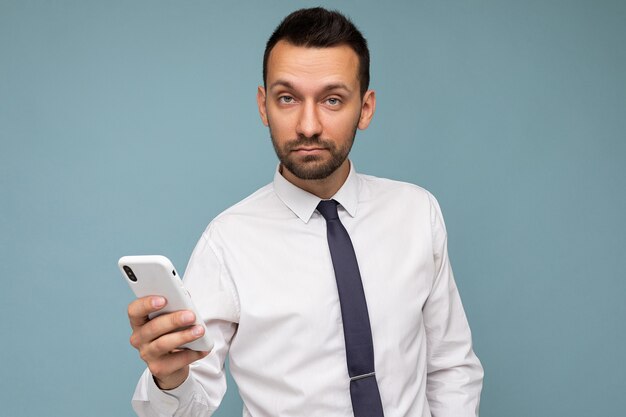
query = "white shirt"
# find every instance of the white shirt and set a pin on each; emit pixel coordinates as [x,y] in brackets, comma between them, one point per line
[263,281]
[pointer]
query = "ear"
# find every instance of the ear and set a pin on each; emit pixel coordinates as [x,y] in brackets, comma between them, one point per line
[260,101]
[368,107]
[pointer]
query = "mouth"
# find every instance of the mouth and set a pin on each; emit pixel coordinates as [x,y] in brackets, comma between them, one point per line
[308,150]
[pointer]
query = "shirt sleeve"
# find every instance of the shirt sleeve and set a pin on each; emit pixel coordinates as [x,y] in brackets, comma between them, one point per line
[455,374]
[215,297]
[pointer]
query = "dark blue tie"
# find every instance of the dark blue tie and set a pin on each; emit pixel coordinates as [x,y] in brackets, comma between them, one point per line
[356,323]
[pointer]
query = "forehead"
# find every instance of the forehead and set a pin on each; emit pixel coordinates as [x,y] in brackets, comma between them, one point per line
[310,67]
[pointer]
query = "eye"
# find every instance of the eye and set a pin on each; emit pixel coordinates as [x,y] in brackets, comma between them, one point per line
[333,101]
[286,99]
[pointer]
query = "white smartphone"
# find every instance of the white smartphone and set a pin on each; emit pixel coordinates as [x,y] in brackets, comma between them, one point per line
[155,275]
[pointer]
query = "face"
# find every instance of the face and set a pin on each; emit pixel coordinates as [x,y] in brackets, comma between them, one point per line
[313,107]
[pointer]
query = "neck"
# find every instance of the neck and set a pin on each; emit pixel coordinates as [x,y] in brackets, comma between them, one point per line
[324,188]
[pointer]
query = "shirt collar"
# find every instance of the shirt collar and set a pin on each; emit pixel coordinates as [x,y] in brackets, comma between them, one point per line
[303,203]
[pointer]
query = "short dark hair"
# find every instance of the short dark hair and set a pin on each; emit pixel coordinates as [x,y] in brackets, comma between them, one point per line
[321,28]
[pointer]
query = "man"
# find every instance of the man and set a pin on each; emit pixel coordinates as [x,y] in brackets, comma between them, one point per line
[270,283]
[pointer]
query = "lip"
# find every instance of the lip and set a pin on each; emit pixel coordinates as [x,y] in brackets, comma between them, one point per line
[308,150]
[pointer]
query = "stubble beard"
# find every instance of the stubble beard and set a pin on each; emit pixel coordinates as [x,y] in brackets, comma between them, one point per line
[312,167]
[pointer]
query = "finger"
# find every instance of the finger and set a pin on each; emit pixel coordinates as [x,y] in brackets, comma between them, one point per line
[174,362]
[164,324]
[139,309]
[170,342]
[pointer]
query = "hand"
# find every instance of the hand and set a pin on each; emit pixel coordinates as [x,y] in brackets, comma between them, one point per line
[157,340]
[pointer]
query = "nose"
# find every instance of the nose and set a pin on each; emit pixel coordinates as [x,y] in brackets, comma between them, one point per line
[309,124]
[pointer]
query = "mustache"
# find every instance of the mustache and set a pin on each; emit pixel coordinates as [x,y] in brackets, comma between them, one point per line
[302,140]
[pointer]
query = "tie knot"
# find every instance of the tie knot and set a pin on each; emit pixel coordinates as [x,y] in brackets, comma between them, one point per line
[328,209]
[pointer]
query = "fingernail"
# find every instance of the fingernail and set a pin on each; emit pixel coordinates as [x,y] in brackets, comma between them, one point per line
[158,302]
[187,317]
[196,330]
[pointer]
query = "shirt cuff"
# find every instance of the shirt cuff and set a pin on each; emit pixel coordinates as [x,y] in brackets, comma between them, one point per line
[165,402]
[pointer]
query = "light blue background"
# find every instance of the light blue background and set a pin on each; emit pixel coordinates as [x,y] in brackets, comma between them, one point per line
[126,126]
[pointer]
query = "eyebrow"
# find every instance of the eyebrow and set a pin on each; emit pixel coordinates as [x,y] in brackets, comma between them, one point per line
[329,87]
